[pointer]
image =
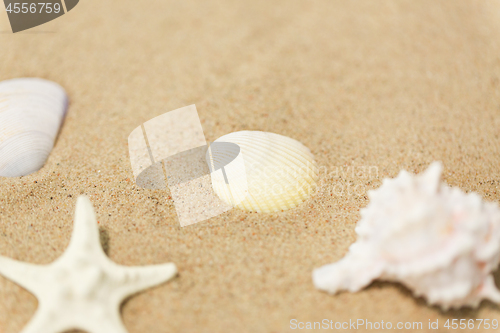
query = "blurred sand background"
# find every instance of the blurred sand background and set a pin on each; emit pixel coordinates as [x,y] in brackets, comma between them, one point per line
[384,84]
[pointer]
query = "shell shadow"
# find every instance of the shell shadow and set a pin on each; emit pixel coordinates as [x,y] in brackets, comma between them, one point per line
[464,312]
[104,238]
[61,125]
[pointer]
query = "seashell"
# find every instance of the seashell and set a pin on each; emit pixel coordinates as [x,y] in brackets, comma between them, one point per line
[278,173]
[438,241]
[31,112]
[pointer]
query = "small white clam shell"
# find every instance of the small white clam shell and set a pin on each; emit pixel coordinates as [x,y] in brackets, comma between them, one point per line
[280,172]
[31,112]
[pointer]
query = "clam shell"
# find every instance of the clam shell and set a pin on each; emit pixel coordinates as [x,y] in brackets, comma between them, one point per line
[31,112]
[279,172]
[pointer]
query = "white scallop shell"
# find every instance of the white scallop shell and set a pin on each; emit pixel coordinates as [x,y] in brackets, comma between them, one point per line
[438,241]
[280,172]
[31,112]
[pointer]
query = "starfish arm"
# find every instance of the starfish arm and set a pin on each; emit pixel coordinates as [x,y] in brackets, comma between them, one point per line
[42,321]
[24,274]
[112,323]
[57,320]
[85,236]
[138,278]
[47,322]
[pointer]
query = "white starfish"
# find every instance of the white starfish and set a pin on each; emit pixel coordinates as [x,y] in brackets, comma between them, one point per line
[82,289]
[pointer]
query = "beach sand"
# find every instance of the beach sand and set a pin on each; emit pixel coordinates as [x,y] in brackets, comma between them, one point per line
[371,87]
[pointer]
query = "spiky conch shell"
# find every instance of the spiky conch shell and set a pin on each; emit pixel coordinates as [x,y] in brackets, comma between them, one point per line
[438,241]
[280,172]
[31,113]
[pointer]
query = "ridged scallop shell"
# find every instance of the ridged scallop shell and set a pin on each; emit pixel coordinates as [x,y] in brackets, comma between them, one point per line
[31,112]
[440,242]
[279,172]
